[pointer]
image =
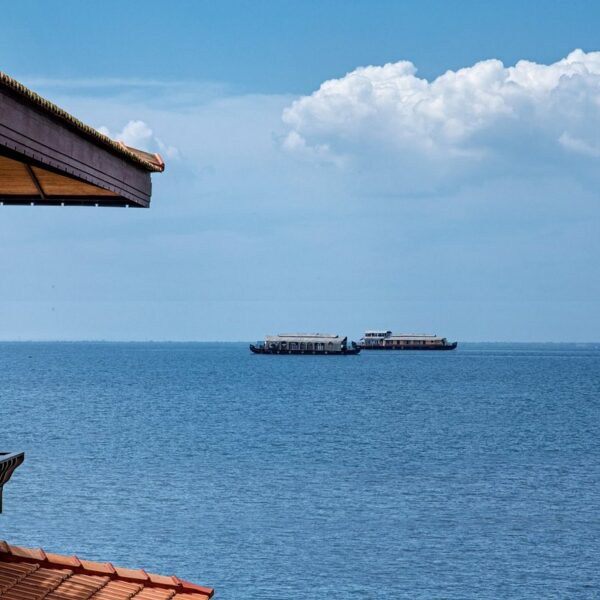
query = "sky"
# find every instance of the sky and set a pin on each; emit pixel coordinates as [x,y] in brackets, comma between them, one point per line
[331,166]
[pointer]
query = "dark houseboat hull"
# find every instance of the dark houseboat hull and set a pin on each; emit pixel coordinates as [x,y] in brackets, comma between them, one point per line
[411,348]
[346,352]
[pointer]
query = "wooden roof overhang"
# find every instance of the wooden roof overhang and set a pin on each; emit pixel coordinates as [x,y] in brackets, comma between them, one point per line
[48,157]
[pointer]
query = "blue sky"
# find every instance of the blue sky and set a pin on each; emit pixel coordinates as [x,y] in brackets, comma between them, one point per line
[464,204]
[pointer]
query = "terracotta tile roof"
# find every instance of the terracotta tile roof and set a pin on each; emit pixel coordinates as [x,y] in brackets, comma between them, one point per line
[32,574]
[150,162]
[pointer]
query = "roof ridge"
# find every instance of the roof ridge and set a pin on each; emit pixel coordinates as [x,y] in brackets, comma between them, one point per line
[62,114]
[40,558]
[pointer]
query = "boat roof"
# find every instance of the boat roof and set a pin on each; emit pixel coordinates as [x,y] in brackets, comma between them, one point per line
[415,336]
[301,337]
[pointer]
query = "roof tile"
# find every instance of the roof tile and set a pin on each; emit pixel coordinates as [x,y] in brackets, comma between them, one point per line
[32,574]
[33,553]
[97,567]
[192,587]
[35,585]
[135,574]
[118,590]
[165,580]
[59,559]
[155,594]
[78,587]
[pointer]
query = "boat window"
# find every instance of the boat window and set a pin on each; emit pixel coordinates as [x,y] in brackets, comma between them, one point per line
[309,346]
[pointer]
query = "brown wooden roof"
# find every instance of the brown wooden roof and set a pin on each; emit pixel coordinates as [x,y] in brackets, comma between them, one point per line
[49,157]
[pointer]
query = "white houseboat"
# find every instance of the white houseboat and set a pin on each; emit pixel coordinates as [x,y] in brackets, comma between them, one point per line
[386,340]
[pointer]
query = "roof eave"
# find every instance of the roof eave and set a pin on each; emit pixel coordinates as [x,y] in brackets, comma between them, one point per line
[121,149]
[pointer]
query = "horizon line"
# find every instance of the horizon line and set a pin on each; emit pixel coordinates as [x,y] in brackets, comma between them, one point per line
[176,341]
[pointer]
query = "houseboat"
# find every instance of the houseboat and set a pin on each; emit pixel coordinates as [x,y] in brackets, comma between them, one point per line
[386,340]
[305,343]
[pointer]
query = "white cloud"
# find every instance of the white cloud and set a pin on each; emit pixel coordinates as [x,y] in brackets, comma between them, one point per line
[578,146]
[465,117]
[139,135]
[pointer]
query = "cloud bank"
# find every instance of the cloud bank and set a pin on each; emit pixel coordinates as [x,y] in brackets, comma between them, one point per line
[519,114]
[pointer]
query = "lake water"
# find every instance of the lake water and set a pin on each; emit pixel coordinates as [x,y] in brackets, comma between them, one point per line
[466,474]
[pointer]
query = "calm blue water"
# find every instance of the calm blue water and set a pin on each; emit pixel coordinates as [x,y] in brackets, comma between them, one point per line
[469,474]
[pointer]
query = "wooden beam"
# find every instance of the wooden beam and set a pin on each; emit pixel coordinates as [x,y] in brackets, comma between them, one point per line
[35,181]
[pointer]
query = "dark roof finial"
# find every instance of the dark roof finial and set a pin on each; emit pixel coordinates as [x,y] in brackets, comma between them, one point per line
[9,461]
